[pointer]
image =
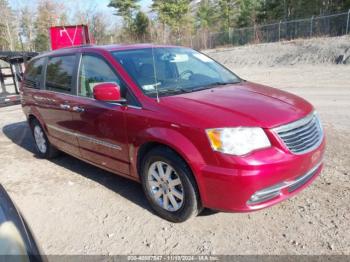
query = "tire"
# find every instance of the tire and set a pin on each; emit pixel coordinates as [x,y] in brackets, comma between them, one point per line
[43,146]
[177,185]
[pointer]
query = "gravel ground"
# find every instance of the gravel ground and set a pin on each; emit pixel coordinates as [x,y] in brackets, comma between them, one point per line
[75,208]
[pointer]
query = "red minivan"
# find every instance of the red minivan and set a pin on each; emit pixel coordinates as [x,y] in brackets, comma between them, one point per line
[191,131]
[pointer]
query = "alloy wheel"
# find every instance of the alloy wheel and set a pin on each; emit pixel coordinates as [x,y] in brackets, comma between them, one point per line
[165,186]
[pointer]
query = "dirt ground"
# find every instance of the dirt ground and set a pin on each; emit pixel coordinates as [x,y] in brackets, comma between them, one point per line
[75,208]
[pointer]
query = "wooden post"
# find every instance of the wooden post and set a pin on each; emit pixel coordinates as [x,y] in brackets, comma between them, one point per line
[311,26]
[279,31]
[347,23]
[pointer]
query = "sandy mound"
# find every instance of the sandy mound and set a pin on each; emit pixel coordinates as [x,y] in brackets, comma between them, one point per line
[332,50]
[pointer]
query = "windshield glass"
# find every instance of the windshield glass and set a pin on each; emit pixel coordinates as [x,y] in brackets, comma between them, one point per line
[173,70]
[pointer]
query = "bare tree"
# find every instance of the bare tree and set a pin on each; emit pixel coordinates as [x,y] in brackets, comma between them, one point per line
[8,29]
[27,18]
[49,13]
[96,20]
[98,27]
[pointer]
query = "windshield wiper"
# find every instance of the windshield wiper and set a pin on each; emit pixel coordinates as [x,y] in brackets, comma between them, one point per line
[211,85]
[170,90]
[179,90]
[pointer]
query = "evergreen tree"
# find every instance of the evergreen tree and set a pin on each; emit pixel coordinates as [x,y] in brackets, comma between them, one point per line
[125,9]
[173,13]
[227,13]
[205,15]
[274,10]
[249,12]
[141,26]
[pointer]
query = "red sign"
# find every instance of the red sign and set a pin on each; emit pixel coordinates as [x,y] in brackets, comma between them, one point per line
[66,36]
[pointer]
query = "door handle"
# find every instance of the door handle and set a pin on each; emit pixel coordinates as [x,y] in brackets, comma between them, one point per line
[64,106]
[78,109]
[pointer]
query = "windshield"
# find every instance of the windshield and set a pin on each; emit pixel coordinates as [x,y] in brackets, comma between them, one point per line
[173,70]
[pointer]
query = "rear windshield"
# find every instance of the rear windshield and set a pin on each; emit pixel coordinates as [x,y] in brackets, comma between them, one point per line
[33,73]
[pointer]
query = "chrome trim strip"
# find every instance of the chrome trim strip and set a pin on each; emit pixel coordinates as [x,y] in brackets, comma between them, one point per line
[300,181]
[135,107]
[93,99]
[61,130]
[77,76]
[310,172]
[99,142]
[86,138]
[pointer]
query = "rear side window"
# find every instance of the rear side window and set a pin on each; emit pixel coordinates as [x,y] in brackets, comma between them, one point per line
[34,73]
[59,73]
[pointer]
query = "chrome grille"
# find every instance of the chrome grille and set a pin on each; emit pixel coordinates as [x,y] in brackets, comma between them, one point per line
[302,136]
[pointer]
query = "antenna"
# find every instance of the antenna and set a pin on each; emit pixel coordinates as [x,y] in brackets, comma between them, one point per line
[155,75]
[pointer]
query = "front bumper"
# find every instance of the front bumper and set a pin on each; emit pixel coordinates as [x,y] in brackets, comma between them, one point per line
[267,178]
[282,188]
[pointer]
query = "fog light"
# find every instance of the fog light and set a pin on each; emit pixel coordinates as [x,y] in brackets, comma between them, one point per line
[266,194]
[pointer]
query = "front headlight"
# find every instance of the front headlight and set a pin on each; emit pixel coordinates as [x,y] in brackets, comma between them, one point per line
[237,141]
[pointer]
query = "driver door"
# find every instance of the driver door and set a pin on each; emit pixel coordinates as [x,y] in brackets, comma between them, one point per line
[101,130]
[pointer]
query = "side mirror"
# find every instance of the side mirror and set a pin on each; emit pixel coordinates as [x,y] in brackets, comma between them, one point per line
[108,92]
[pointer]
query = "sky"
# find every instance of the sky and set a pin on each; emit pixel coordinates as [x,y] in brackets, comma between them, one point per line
[101,5]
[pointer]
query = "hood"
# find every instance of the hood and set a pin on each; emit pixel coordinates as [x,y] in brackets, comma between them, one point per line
[243,104]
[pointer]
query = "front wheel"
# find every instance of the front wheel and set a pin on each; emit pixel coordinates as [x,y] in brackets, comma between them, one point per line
[169,185]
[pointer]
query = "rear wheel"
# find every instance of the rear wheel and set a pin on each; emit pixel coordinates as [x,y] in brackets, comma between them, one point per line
[169,185]
[43,145]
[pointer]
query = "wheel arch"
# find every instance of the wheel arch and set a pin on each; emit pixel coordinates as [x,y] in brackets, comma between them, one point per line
[32,117]
[178,144]
[33,114]
[148,146]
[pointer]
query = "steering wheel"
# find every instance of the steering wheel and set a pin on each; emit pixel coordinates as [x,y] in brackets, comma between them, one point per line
[185,73]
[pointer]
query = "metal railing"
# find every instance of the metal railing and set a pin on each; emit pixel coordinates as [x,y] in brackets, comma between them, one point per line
[315,26]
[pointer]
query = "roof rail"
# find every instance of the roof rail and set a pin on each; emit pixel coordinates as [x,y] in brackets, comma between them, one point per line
[75,46]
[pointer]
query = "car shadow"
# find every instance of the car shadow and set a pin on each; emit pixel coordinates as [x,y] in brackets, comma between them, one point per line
[20,134]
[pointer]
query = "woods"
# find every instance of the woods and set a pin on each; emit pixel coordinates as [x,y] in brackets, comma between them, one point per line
[172,21]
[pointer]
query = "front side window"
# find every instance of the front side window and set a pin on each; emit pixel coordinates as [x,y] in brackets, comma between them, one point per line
[33,74]
[94,70]
[59,73]
[173,70]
